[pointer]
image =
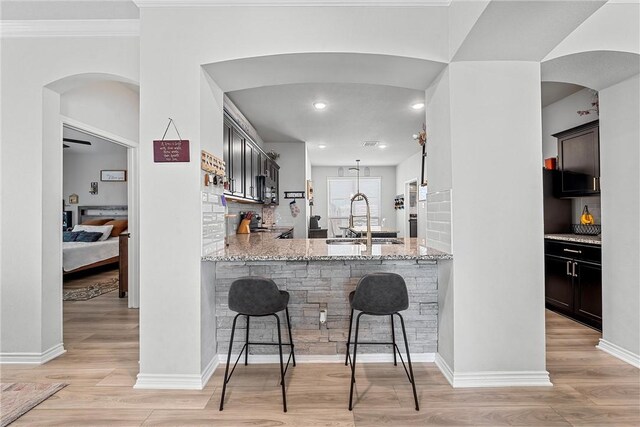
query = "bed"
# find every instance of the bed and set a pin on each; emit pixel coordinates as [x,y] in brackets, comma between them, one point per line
[84,256]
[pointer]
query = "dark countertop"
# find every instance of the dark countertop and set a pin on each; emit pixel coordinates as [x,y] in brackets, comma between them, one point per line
[575,238]
[265,246]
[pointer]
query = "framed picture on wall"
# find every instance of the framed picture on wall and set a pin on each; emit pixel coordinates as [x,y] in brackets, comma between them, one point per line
[111,175]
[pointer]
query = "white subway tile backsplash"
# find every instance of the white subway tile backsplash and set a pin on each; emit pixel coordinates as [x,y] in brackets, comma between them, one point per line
[439,220]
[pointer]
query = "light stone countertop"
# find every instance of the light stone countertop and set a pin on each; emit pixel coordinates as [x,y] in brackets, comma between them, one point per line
[266,247]
[575,238]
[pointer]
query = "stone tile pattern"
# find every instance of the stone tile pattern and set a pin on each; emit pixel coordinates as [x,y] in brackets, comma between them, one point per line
[327,284]
[575,238]
[439,220]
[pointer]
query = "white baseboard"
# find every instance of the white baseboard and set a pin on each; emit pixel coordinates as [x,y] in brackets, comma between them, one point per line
[493,378]
[329,358]
[619,352]
[177,381]
[444,367]
[32,358]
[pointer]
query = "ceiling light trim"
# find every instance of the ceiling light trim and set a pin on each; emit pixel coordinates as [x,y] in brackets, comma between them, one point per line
[71,28]
[293,3]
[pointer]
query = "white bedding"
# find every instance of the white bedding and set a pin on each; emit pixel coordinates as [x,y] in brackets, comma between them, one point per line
[79,254]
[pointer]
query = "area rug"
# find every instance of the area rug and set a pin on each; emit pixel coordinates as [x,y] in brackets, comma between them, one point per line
[19,398]
[92,291]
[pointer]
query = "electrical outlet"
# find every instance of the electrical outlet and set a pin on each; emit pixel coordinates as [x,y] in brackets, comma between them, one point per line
[323,316]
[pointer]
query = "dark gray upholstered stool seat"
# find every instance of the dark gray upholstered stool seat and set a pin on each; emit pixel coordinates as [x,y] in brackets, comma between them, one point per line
[380,294]
[258,297]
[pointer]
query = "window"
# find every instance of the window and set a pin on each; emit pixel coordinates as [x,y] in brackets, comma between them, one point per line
[340,191]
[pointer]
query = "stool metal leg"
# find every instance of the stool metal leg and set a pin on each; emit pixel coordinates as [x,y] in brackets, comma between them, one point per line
[353,363]
[284,395]
[406,344]
[293,353]
[226,371]
[246,342]
[346,357]
[393,338]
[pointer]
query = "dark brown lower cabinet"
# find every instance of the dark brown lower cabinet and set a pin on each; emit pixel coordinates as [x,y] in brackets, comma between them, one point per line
[573,284]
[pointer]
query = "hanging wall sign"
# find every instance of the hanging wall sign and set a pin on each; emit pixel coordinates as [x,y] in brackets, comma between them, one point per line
[167,151]
[171,150]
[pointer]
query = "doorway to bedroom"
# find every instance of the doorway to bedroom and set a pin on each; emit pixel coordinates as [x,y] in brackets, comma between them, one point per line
[95,217]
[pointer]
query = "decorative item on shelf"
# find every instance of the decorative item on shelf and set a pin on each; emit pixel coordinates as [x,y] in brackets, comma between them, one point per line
[273,155]
[73,199]
[94,188]
[550,163]
[595,105]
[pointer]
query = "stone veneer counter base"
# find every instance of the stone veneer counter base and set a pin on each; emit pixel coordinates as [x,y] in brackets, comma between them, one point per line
[317,285]
[266,247]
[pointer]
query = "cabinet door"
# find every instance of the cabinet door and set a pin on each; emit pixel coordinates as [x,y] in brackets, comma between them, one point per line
[237,187]
[558,282]
[226,149]
[249,185]
[588,298]
[579,162]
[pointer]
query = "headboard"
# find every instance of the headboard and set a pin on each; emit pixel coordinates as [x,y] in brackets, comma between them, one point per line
[91,212]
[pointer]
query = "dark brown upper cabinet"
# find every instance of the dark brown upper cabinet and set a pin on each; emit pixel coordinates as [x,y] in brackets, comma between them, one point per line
[579,161]
[248,168]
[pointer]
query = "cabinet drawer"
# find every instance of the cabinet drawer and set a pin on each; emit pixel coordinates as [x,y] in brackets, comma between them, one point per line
[577,251]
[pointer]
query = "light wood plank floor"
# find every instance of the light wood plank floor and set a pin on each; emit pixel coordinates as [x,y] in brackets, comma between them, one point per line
[101,337]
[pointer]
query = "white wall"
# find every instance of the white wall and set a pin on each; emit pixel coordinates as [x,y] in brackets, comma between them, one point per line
[170,322]
[79,170]
[619,158]
[31,156]
[292,177]
[408,170]
[562,115]
[106,105]
[387,176]
[489,103]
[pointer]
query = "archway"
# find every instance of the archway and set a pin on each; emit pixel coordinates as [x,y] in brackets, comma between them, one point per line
[91,119]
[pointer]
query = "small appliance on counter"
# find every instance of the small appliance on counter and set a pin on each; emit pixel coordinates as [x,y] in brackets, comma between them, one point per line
[313,222]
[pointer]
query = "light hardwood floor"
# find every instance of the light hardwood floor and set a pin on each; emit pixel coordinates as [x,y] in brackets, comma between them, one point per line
[101,338]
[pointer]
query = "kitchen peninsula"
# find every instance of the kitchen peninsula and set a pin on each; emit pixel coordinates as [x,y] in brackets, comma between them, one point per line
[319,276]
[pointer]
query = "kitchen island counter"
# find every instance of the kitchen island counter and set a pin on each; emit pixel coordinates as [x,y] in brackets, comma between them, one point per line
[266,246]
[319,277]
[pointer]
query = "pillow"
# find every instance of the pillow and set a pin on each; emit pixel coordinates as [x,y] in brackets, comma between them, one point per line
[70,236]
[119,225]
[97,221]
[104,229]
[88,236]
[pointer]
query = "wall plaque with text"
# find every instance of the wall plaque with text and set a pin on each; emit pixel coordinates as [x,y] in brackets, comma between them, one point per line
[171,151]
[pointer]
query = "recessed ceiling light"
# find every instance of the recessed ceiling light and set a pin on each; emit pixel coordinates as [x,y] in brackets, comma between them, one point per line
[320,105]
[383,146]
[418,105]
[322,146]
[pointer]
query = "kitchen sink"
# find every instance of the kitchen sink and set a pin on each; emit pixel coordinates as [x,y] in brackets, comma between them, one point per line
[360,241]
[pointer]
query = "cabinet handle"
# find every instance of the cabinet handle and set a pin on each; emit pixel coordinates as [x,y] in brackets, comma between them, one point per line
[574,270]
[572,251]
[568,268]
[595,185]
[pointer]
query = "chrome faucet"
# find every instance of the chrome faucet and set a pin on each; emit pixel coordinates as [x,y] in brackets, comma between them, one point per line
[358,197]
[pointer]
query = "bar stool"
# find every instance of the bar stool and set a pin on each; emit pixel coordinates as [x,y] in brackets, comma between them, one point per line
[380,294]
[258,297]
